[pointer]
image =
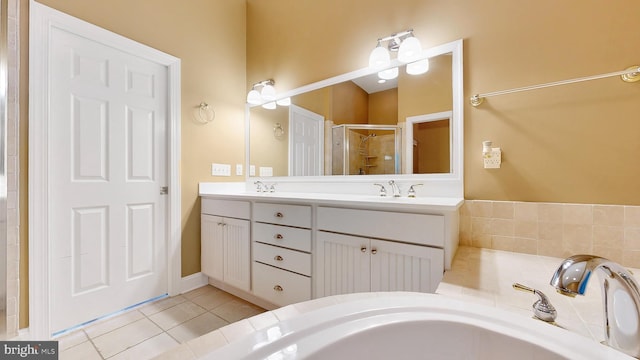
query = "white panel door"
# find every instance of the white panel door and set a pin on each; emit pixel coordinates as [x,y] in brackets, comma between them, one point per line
[306,142]
[404,267]
[108,126]
[342,264]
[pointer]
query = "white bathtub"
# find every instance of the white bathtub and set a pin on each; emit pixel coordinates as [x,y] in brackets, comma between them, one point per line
[413,326]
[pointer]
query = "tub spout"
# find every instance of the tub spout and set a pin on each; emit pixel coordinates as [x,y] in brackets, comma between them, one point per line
[620,295]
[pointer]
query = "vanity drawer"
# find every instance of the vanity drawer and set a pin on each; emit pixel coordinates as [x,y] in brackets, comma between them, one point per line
[280,287]
[283,214]
[420,229]
[293,238]
[228,208]
[291,260]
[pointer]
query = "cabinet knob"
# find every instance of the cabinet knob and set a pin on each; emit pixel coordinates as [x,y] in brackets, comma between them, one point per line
[374,251]
[279,215]
[278,258]
[278,288]
[363,249]
[279,236]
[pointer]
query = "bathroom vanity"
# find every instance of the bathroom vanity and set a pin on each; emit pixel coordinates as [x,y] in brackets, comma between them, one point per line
[281,248]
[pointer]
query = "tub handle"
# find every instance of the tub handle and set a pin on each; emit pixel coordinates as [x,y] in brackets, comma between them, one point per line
[278,288]
[278,258]
[363,249]
[279,215]
[279,236]
[374,251]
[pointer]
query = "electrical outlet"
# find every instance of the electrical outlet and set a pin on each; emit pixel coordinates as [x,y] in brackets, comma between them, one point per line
[492,159]
[238,169]
[252,170]
[220,169]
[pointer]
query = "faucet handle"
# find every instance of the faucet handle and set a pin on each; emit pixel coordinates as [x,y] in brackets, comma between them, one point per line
[259,186]
[412,192]
[542,309]
[383,191]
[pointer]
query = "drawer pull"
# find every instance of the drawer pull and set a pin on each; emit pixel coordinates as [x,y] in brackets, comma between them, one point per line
[374,251]
[278,288]
[279,236]
[278,258]
[279,215]
[363,249]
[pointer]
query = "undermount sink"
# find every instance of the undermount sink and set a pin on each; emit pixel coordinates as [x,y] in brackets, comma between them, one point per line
[411,326]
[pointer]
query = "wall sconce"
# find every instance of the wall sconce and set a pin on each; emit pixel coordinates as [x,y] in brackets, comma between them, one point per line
[266,96]
[409,52]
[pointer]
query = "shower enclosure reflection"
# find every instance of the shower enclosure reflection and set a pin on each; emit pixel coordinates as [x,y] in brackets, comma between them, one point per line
[365,149]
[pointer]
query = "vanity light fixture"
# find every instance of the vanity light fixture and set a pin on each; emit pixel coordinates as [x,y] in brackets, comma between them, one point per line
[266,96]
[409,52]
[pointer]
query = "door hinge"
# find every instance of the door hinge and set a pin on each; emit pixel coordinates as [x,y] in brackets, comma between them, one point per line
[164,190]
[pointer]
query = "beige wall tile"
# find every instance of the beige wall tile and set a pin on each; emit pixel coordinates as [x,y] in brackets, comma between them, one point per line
[611,215]
[525,245]
[612,254]
[632,216]
[577,239]
[608,236]
[578,214]
[505,243]
[550,213]
[526,211]
[502,210]
[632,238]
[503,227]
[480,226]
[480,208]
[526,229]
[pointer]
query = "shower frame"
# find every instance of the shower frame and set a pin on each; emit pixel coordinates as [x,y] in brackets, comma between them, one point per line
[344,130]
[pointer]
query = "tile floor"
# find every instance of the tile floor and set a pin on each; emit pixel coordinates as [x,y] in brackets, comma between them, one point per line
[151,329]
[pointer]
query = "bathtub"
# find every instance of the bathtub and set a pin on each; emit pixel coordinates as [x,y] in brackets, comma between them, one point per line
[413,326]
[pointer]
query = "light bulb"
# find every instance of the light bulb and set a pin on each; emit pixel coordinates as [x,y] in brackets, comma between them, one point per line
[284,102]
[409,50]
[388,74]
[268,93]
[418,67]
[253,97]
[379,58]
[270,105]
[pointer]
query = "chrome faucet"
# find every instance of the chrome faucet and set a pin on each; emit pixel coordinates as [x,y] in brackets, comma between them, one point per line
[260,187]
[394,188]
[620,293]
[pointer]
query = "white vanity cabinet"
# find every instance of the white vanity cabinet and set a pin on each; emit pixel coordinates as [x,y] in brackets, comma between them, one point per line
[282,252]
[364,250]
[225,241]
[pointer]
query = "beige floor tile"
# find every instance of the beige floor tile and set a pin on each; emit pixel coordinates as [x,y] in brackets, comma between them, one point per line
[158,306]
[148,349]
[176,315]
[72,339]
[237,309]
[201,291]
[182,352]
[125,337]
[83,351]
[212,300]
[107,325]
[196,327]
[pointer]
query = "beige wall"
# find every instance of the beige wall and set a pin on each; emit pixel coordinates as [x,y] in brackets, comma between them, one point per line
[209,38]
[575,143]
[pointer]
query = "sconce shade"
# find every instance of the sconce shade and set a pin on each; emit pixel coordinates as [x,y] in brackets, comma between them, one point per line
[270,105]
[418,67]
[268,93]
[253,97]
[379,58]
[284,102]
[388,74]
[409,50]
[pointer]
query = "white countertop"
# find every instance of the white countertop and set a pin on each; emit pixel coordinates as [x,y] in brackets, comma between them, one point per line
[478,275]
[237,191]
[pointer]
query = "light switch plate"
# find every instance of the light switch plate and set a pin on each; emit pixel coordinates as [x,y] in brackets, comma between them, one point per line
[220,169]
[238,169]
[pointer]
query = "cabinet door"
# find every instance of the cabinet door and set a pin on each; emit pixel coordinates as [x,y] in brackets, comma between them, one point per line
[404,267]
[212,246]
[237,255]
[342,264]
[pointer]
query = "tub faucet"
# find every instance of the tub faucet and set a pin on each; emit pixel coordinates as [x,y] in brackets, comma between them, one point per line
[620,294]
[394,188]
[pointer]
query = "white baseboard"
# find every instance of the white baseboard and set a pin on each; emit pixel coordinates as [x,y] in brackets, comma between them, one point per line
[193,281]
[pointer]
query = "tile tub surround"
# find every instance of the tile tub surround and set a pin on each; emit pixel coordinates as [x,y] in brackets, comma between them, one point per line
[553,229]
[478,275]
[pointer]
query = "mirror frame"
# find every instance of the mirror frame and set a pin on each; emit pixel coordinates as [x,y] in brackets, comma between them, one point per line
[450,184]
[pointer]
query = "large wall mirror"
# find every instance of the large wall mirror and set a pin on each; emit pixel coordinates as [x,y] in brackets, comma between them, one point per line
[353,125]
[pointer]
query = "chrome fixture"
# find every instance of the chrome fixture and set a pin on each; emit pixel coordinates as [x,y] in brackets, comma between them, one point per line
[409,52]
[260,187]
[621,297]
[266,96]
[394,188]
[631,74]
[412,192]
[278,131]
[206,114]
[542,308]
[272,188]
[383,191]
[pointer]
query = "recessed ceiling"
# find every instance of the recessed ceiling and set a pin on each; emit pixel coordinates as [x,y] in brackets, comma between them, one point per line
[370,83]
